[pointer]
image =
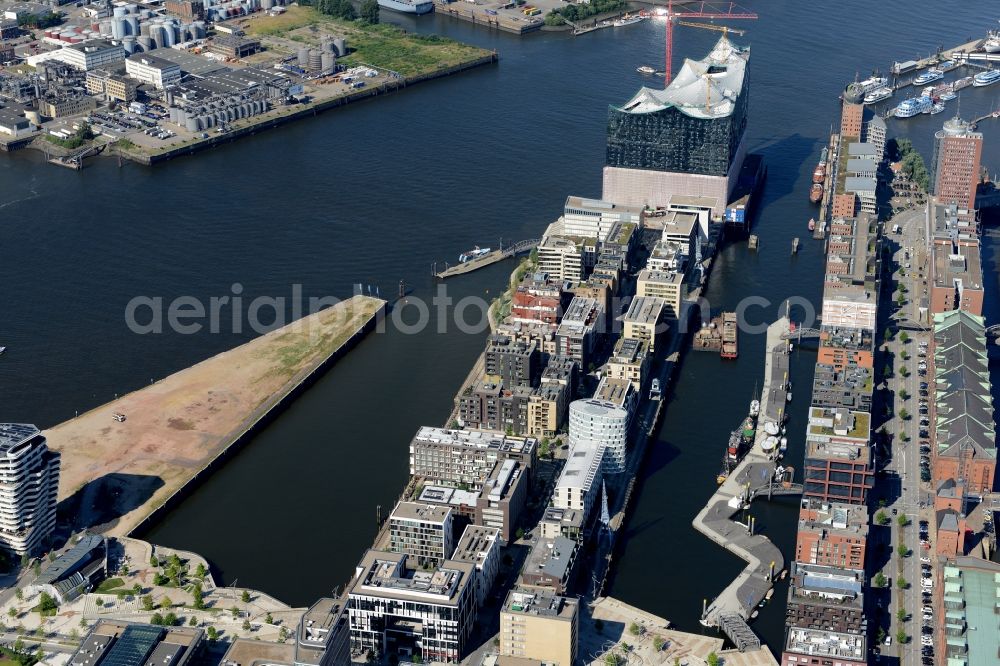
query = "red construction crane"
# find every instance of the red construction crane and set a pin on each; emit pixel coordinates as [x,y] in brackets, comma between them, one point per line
[705,9]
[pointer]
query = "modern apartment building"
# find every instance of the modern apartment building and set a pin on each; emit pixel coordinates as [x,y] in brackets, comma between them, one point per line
[825,616]
[593,218]
[466,457]
[630,361]
[832,534]
[503,498]
[579,329]
[480,546]
[399,610]
[113,642]
[579,482]
[424,531]
[323,635]
[539,626]
[646,320]
[666,285]
[29,471]
[513,363]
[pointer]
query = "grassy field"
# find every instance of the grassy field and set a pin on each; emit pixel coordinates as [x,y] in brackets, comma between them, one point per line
[383,46]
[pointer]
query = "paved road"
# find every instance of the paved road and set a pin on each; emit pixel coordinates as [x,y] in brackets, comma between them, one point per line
[904,491]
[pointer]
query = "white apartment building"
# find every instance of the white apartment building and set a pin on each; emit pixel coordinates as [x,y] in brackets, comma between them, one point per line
[397,610]
[580,480]
[602,425]
[29,482]
[594,218]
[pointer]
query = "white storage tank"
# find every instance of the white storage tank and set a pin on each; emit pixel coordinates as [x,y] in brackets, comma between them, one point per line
[341,47]
[315,60]
[329,62]
[303,57]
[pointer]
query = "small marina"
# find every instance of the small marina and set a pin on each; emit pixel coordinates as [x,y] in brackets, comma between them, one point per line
[758,473]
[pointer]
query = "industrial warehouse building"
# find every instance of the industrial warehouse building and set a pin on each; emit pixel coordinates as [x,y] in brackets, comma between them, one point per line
[198,104]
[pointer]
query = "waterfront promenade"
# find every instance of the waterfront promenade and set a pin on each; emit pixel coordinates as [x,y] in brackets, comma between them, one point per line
[116,475]
[741,597]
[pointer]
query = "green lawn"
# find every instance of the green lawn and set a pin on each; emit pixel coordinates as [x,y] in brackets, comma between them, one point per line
[383,46]
[108,585]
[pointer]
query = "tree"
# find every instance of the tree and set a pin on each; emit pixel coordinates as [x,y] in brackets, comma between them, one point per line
[200,571]
[369,12]
[165,602]
[901,583]
[520,533]
[19,594]
[712,659]
[170,620]
[193,622]
[198,598]
[903,551]
[246,625]
[901,637]
[268,619]
[137,589]
[245,597]
[283,636]
[903,337]
[213,633]
[157,619]
[12,612]
[882,518]
[634,629]
[124,568]
[153,562]
[879,580]
[147,602]
[235,611]
[658,643]
[904,415]
[902,520]
[36,567]
[612,659]
[46,605]
[901,615]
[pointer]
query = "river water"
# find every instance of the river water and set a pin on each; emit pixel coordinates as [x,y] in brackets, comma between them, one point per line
[376,192]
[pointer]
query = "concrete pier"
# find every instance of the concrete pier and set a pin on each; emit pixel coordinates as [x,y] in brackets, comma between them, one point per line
[734,605]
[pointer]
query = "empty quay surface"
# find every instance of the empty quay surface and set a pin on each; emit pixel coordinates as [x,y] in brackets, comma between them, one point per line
[715,520]
[120,474]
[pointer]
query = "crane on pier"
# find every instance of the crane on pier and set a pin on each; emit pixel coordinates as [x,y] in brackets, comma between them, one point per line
[704,9]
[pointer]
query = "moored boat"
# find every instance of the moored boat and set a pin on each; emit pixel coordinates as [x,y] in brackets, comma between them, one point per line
[878,95]
[931,74]
[937,108]
[914,106]
[474,253]
[816,193]
[812,224]
[627,20]
[986,78]
[645,69]
[819,174]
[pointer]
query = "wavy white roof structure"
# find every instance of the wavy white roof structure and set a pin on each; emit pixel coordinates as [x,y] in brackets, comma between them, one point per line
[706,88]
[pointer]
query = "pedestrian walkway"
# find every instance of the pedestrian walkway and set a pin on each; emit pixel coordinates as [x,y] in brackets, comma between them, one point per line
[736,603]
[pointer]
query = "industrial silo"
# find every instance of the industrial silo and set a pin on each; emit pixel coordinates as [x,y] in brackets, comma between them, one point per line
[120,12]
[170,34]
[128,43]
[156,35]
[329,62]
[266,4]
[315,60]
[132,25]
[117,27]
[193,124]
[198,29]
[144,41]
[341,46]
[303,57]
